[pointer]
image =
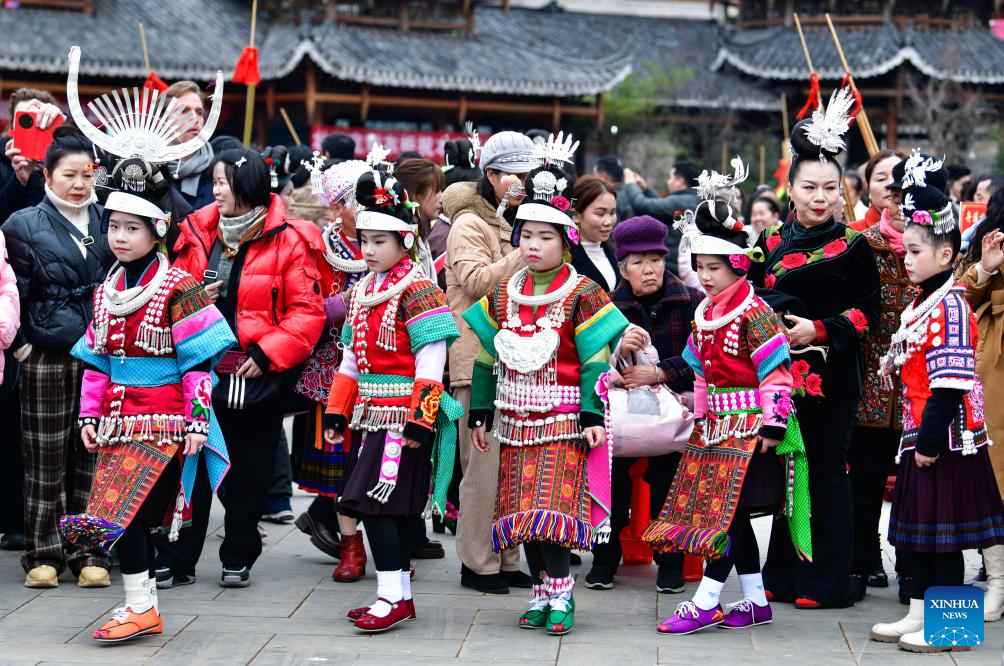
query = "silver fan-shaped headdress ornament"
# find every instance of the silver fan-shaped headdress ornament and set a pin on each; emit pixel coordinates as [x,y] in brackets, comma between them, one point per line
[140,122]
[827,130]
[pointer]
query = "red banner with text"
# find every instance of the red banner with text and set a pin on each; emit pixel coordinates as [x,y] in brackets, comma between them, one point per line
[428,144]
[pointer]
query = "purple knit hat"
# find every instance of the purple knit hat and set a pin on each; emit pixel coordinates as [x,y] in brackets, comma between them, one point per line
[640,234]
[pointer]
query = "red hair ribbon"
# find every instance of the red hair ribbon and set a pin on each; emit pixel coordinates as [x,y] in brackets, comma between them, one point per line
[246,71]
[813,101]
[858,102]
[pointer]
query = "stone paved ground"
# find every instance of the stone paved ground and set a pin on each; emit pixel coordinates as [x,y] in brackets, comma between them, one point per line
[292,614]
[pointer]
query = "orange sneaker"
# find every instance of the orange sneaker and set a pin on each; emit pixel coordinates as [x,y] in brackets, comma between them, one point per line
[126,624]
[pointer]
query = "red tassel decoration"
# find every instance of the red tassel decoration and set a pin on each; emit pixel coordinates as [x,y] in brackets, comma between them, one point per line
[246,71]
[813,101]
[858,101]
[154,82]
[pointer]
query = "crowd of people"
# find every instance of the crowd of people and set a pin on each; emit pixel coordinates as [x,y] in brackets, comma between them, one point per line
[458,341]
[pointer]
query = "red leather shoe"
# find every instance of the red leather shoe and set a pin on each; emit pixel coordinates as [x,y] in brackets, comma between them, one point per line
[357,613]
[352,566]
[803,603]
[400,611]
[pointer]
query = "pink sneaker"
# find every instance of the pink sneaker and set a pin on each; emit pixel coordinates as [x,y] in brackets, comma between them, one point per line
[688,618]
[747,614]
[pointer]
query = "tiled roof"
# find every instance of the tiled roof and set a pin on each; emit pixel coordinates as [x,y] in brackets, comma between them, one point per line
[527,52]
[972,55]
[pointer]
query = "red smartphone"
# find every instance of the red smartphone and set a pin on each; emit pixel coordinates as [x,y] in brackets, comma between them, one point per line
[31,141]
[231,362]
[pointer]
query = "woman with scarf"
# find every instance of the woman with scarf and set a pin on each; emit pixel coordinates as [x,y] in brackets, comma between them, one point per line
[260,271]
[881,198]
[319,467]
[830,270]
[59,254]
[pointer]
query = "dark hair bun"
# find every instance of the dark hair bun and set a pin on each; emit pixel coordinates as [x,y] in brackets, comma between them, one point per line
[65,130]
[379,192]
[459,154]
[805,149]
[925,198]
[710,217]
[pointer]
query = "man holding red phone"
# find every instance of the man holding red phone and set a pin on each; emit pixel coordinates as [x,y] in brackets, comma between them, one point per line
[21,182]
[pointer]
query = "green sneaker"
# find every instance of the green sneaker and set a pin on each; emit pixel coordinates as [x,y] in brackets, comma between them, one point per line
[540,604]
[562,615]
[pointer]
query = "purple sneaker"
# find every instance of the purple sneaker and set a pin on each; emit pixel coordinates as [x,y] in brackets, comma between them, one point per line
[747,614]
[688,618]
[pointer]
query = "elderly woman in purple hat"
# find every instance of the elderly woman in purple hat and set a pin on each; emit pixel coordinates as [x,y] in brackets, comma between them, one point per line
[657,301]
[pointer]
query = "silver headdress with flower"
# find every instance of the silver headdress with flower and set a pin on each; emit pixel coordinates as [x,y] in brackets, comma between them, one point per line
[547,183]
[827,130]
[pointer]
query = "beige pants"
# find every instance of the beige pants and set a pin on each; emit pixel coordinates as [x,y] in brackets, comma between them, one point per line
[477,502]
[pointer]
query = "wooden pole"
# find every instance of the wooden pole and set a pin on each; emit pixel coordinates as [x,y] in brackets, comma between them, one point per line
[249,104]
[289,125]
[866,129]
[725,156]
[146,52]
[808,58]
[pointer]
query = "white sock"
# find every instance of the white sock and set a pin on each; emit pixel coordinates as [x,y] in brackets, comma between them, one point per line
[406,585]
[137,596]
[388,587]
[708,593]
[752,588]
[151,586]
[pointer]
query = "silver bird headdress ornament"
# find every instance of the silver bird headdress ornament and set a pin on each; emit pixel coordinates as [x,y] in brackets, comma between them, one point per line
[140,122]
[708,185]
[472,136]
[917,167]
[709,182]
[827,130]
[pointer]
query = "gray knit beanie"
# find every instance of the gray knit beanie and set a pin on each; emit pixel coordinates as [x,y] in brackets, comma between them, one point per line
[510,152]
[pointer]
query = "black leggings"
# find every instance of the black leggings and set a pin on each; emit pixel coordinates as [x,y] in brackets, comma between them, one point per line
[390,542]
[743,553]
[135,549]
[547,558]
[930,569]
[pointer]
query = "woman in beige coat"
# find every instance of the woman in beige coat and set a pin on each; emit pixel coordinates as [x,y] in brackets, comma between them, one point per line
[478,256]
[980,271]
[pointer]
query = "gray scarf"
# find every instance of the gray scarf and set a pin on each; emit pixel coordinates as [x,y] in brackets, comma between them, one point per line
[232,229]
[188,172]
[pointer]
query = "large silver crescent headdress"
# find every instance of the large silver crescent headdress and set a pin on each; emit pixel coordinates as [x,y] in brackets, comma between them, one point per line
[140,122]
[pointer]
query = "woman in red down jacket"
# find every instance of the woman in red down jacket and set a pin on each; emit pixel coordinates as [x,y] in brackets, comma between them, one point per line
[261,269]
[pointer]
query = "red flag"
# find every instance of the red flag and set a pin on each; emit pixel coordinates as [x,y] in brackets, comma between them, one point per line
[246,71]
[154,82]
